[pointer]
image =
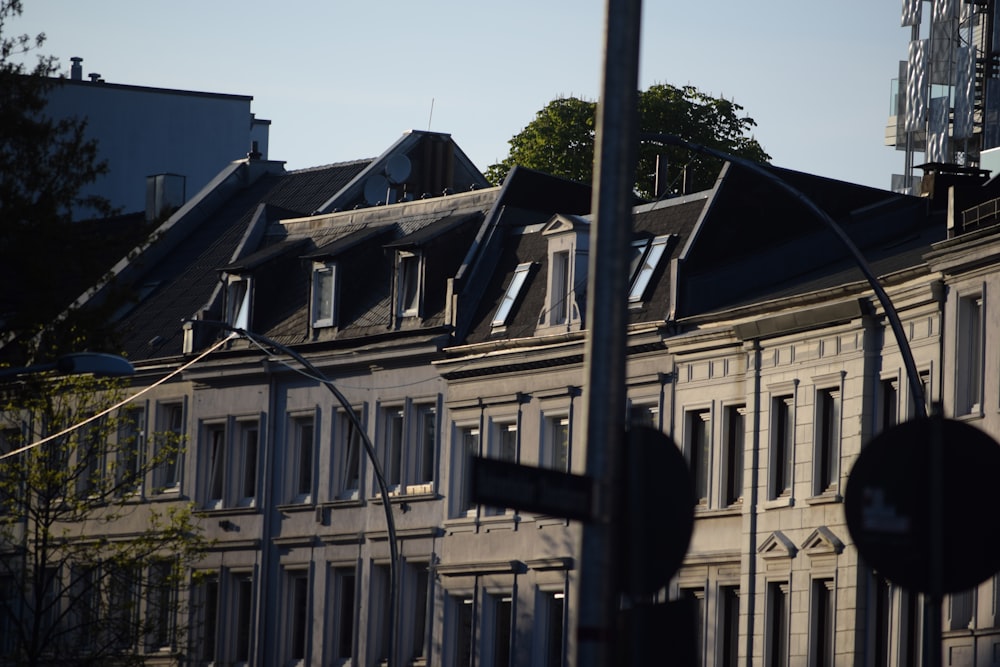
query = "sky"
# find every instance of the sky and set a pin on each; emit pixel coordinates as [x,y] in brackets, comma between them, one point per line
[344,80]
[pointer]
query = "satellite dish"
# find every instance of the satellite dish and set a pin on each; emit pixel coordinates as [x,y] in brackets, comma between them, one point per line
[376,189]
[397,169]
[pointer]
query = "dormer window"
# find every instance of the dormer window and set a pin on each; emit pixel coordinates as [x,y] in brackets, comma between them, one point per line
[646,257]
[567,276]
[238,301]
[512,294]
[324,294]
[409,279]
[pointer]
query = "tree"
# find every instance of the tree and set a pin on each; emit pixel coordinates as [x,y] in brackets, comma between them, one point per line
[90,574]
[45,165]
[560,139]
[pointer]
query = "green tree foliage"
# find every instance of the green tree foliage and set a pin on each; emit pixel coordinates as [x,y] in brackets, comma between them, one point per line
[560,139]
[89,574]
[45,164]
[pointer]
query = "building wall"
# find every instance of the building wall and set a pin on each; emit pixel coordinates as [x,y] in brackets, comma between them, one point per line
[148,131]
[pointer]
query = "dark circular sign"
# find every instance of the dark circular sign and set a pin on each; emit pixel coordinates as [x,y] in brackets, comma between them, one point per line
[657,510]
[923,493]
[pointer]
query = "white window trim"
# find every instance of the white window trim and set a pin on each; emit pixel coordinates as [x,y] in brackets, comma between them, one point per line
[319,318]
[405,258]
[511,295]
[652,255]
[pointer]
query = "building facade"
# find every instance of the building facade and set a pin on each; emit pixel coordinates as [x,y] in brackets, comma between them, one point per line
[454,325]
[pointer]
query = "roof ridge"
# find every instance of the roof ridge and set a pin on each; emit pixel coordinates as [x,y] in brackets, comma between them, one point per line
[332,165]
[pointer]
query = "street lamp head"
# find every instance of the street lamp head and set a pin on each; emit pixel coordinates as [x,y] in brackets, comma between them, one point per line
[94,363]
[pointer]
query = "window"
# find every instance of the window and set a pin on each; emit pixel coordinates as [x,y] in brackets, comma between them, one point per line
[695,598]
[567,238]
[969,351]
[123,606]
[888,403]
[379,610]
[960,609]
[242,606]
[426,443]
[297,615]
[393,447]
[238,302]
[560,288]
[468,447]
[511,295]
[418,575]
[160,605]
[90,460]
[344,595]
[408,277]
[247,433]
[645,262]
[782,445]
[324,305]
[131,449]
[500,624]
[734,430]
[911,623]
[349,441]
[207,611]
[8,621]
[300,474]
[410,447]
[643,415]
[821,626]
[555,443]
[699,442]
[777,624]
[461,630]
[214,447]
[826,456]
[169,440]
[552,614]
[881,619]
[504,442]
[729,636]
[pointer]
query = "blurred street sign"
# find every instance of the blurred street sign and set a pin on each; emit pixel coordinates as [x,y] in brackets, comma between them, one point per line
[506,484]
[949,544]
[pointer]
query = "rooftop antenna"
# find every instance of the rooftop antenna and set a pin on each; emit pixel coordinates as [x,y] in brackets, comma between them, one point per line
[431,117]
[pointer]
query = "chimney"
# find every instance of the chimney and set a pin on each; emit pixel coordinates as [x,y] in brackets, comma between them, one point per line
[95,77]
[76,69]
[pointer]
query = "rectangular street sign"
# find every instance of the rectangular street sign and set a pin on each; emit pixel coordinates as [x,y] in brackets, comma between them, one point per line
[505,484]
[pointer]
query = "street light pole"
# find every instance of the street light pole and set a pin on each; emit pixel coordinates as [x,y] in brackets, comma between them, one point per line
[606,319]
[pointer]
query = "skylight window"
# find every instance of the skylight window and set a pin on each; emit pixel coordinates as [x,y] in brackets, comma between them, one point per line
[643,269]
[513,291]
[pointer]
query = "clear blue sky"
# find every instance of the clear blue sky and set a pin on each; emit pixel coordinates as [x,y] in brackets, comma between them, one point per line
[342,80]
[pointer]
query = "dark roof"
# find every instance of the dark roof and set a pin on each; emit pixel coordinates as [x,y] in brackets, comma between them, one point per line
[527,244]
[187,280]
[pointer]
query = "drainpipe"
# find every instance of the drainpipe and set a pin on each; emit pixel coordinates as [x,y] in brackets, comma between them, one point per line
[269,492]
[755,357]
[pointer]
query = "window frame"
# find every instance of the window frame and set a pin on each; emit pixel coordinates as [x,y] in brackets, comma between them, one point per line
[783,421]
[970,351]
[302,454]
[828,420]
[323,311]
[698,424]
[511,294]
[733,449]
[652,254]
[776,623]
[409,274]
[463,434]
[822,621]
[171,417]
